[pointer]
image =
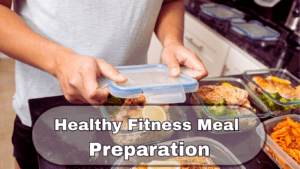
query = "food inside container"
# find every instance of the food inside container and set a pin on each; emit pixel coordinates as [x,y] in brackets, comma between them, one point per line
[121,110]
[220,157]
[180,162]
[146,85]
[223,99]
[280,138]
[278,89]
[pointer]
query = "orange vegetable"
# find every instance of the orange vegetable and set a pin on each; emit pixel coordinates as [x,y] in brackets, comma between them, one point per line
[287,135]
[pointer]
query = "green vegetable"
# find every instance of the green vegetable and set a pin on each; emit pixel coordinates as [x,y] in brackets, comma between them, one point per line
[113,109]
[208,103]
[231,113]
[112,100]
[294,99]
[217,110]
[222,102]
[273,106]
[113,104]
[276,95]
[295,105]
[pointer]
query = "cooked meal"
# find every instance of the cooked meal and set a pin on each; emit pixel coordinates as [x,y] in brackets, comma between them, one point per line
[228,100]
[273,84]
[224,94]
[123,109]
[138,108]
[180,163]
[281,90]
[287,135]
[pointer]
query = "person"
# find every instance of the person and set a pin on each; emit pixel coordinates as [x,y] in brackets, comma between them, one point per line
[63,47]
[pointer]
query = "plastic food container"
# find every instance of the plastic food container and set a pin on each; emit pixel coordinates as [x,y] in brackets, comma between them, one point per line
[220,155]
[272,149]
[255,32]
[220,12]
[246,122]
[279,73]
[155,82]
[157,86]
[135,137]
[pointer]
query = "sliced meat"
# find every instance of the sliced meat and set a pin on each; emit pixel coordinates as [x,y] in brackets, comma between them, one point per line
[215,94]
[285,90]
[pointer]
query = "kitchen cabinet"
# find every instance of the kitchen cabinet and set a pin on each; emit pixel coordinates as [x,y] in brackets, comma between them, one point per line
[238,61]
[220,56]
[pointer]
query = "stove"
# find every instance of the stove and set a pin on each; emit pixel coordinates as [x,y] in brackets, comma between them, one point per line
[281,53]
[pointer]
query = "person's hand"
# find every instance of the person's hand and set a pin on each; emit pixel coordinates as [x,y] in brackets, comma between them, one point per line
[78,74]
[176,55]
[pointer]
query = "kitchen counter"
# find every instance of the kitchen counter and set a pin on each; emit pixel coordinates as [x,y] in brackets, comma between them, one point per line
[271,56]
[261,160]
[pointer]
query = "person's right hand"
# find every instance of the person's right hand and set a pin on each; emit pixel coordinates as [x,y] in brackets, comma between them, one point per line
[78,74]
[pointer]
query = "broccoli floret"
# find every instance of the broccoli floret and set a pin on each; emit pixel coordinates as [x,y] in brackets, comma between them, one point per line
[231,113]
[113,109]
[294,99]
[276,95]
[217,110]
[112,100]
[221,103]
[208,103]
[282,99]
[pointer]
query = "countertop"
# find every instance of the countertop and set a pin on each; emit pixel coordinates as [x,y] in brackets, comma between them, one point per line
[261,160]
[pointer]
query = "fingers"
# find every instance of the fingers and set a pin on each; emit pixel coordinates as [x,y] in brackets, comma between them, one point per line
[90,88]
[172,63]
[193,62]
[110,72]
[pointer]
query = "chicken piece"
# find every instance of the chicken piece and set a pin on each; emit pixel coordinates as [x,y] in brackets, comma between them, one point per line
[298,91]
[135,113]
[215,94]
[122,113]
[189,163]
[135,101]
[285,90]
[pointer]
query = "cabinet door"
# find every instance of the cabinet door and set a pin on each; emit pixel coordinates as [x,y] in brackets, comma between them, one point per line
[238,61]
[208,46]
[154,51]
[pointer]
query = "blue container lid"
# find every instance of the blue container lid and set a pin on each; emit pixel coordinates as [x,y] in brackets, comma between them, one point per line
[155,82]
[255,30]
[221,11]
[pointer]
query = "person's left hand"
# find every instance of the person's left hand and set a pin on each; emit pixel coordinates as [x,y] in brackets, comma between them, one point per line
[176,55]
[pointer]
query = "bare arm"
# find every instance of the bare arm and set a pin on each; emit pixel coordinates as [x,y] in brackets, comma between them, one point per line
[77,78]
[169,30]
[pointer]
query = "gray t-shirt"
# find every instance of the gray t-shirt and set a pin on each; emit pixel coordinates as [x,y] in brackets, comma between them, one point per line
[118,31]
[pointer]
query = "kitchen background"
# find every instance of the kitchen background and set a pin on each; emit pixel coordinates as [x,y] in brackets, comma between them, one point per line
[239,35]
[267,35]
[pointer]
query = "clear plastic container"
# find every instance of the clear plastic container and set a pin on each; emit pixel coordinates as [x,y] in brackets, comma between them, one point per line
[136,137]
[279,73]
[272,149]
[247,121]
[221,12]
[155,82]
[219,154]
[254,32]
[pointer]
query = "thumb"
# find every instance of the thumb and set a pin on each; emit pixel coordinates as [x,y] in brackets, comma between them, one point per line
[173,65]
[110,72]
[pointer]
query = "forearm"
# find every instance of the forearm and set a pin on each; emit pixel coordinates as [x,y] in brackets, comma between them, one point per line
[169,24]
[21,43]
